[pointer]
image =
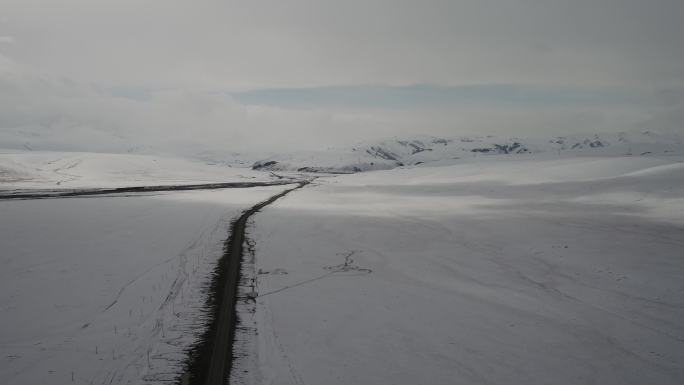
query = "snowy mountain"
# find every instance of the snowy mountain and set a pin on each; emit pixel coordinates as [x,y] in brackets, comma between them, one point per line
[398,152]
[365,156]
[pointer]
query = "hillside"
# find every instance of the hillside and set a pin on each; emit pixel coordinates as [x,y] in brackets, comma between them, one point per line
[398,152]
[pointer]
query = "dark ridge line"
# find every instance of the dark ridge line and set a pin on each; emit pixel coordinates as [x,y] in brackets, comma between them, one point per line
[210,360]
[51,194]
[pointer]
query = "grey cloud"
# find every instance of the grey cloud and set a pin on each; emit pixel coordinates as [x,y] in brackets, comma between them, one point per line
[83,63]
[313,43]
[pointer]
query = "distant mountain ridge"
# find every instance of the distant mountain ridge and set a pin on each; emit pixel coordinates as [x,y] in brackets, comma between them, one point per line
[365,156]
[399,152]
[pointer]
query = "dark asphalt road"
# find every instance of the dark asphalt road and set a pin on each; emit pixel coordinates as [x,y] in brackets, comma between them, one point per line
[70,193]
[210,362]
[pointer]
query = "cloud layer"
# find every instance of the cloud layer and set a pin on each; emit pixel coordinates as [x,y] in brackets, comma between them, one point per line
[307,73]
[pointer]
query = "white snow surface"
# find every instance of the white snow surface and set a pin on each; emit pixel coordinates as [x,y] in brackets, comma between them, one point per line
[549,266]
[109,290]
[535,270]
[45,169]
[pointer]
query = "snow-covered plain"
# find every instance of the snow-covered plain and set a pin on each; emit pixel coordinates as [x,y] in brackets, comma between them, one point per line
[46,169]
[509,270]
[108,290]
[543,267]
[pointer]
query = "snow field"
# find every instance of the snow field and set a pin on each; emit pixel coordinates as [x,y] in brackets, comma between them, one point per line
[528,272]
[109,289]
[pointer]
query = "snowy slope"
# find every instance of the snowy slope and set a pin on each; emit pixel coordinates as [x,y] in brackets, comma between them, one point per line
[31,169]
[394,153]
[497,271]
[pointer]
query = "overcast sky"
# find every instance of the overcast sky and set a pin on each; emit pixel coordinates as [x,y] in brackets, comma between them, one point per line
[304,73]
